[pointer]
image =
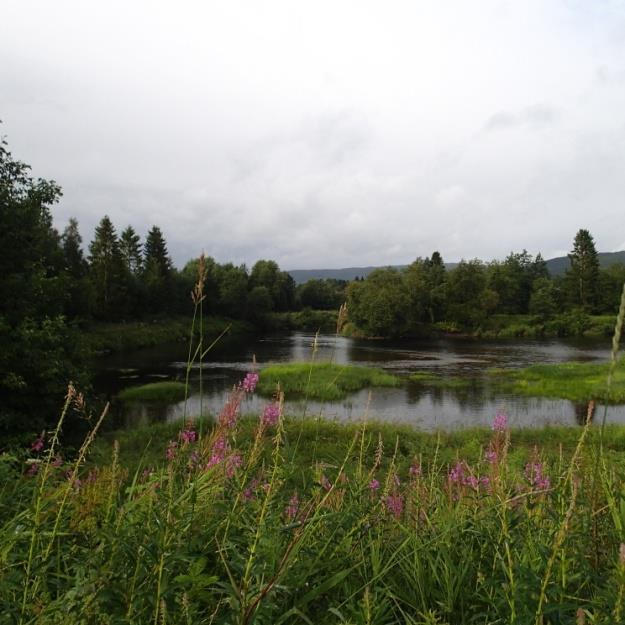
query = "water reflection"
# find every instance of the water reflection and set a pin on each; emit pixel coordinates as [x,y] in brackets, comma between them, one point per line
[425,406]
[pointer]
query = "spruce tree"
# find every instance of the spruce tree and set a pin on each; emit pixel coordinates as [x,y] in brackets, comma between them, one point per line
[583,275]
[76,271]
[157,272]
[130,248]
[107,271]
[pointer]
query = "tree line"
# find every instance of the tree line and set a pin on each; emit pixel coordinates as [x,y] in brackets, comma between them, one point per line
[392,302]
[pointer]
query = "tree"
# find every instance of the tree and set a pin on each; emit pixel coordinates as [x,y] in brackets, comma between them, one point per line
[280,284]
[107,271]
[79,290]
[379,305]
[583,275]
[130,249]
[38,353]
[157,271]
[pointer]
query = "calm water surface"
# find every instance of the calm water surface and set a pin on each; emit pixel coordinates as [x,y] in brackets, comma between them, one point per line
[423,406]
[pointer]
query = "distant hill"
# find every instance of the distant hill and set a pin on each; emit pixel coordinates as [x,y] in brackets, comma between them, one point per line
[556,266]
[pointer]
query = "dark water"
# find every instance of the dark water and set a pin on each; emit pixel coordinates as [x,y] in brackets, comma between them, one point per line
[424,406]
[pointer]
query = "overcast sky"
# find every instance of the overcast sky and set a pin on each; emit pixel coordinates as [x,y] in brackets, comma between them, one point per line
[325,133]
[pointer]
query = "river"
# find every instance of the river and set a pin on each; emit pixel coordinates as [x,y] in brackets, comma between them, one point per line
[425,407]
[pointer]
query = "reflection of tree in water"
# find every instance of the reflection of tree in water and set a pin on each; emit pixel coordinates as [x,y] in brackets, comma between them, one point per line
[581,412]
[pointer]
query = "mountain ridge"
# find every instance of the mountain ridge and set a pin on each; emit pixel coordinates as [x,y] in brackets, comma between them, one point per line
[556,267]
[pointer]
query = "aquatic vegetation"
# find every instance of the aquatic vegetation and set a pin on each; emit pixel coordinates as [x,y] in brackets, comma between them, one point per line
[577,381]
[166,391]
[321,380]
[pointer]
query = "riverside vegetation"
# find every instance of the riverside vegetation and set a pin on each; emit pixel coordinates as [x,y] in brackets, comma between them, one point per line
[287,520]
[275,519]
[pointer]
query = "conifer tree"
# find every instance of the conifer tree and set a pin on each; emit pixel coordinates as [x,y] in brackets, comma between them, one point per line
[130,248]
[583,275]
[157,271]
[107,272]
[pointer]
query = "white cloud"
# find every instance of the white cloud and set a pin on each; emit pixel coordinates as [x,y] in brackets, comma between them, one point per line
[325,134]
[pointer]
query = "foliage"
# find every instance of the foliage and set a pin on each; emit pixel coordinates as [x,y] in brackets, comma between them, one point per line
[36,344]
[583,276]
[323,380]
[576,381]
[167,391]
[312,521]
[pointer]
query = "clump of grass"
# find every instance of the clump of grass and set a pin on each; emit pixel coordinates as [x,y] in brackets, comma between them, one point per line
[323,380]
[157,391]
[576,381]
[439,381]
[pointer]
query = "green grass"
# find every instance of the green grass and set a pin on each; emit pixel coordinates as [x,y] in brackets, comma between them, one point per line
[127,336]
[431,379]
[311,521]
[324,381]
[576,381]
[168,392]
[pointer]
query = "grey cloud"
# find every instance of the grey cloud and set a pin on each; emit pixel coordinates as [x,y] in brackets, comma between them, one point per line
[535,116]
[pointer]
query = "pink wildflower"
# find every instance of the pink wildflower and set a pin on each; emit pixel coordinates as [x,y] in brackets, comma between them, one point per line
[188,436]
[374,484]
[170,452]
[485,481]
[249,382]
[395,505]
[233,462]
[500,422]
[471,481]
[33,469]
[415,470]
[271,414]
[456,475]
[491,456]
[291,510]
[57,462]
[38,444]
[534,475]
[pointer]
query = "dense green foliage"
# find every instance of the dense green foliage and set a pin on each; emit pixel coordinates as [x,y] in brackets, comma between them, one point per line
[310,521]
[469,297]
[38,350]
[321,380]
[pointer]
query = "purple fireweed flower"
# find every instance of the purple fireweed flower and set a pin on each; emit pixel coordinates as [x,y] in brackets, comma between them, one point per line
[534,475]
[395,505]
[415,470]
[170,452]
[271,414]
[188,436]
[233,462]
[471,481]
[220,446]
[32,469]
[249,382]
[374,484]
[291,510]
[57,462]
[485,481]
[456,474]
[37,444]
[491,456]
[500,422]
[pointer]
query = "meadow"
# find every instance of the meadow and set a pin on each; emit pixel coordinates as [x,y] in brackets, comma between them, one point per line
[274,519]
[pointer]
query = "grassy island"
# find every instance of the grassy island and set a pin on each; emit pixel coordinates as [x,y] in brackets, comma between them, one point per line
[157,391]
[324,381]
[577,381]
